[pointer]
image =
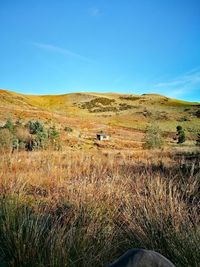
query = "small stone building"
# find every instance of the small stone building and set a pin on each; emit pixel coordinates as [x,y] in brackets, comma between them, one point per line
[102,136]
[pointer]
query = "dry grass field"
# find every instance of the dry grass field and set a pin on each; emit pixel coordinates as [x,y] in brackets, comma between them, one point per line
[81,208]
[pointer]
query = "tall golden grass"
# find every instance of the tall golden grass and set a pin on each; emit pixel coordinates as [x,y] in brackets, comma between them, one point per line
[83,209]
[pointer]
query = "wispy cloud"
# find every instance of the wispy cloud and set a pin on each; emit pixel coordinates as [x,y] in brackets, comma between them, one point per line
[94,12]
[180,86]
[63,51]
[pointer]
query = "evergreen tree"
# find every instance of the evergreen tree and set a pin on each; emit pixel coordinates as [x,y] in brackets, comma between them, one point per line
[40,136]
[35,127]
[180,134]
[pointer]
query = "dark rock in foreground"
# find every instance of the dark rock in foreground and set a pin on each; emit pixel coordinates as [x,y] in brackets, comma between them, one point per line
[142,258]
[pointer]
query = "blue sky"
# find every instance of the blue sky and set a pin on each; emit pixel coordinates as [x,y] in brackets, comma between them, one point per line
[129,46]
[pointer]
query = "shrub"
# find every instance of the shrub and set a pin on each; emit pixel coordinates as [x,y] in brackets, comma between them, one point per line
[54,137]
[40,136]
[53,134]
[97,102]
[41,139]
[9,125]
[35,127]
[153,137]
[180,134]
[179,128]
[181,137]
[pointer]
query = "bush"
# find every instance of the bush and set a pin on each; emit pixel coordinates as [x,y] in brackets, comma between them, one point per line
[40,136]
[181,137]
[180,134]
[35,127]
[9,125]
[153,137]
[41,139]
[179,128]
[53,134]
[97,102]
[54,138]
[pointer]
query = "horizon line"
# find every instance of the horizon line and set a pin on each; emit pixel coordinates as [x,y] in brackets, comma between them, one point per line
[95,92]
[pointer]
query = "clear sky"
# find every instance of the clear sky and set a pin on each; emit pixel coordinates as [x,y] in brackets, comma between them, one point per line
[125,46]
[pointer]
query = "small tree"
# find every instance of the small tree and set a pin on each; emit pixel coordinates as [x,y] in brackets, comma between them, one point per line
[180,134]
[179,128]
[39,135]
[153,137]
[198,139]
[35,127]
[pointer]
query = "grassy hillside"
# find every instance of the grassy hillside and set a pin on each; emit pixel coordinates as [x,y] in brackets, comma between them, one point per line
[119,114]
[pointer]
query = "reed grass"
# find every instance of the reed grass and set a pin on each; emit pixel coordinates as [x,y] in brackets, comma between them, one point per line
[81,209]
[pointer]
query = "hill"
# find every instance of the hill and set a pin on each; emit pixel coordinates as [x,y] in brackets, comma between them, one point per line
[120,114]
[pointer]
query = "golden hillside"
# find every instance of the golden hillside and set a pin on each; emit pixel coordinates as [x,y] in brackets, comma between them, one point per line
[132,111]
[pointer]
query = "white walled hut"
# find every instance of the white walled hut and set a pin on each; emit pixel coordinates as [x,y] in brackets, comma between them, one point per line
[103,137]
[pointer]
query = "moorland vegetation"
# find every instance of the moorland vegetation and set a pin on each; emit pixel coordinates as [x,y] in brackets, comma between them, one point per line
[72,208]
[69,200]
